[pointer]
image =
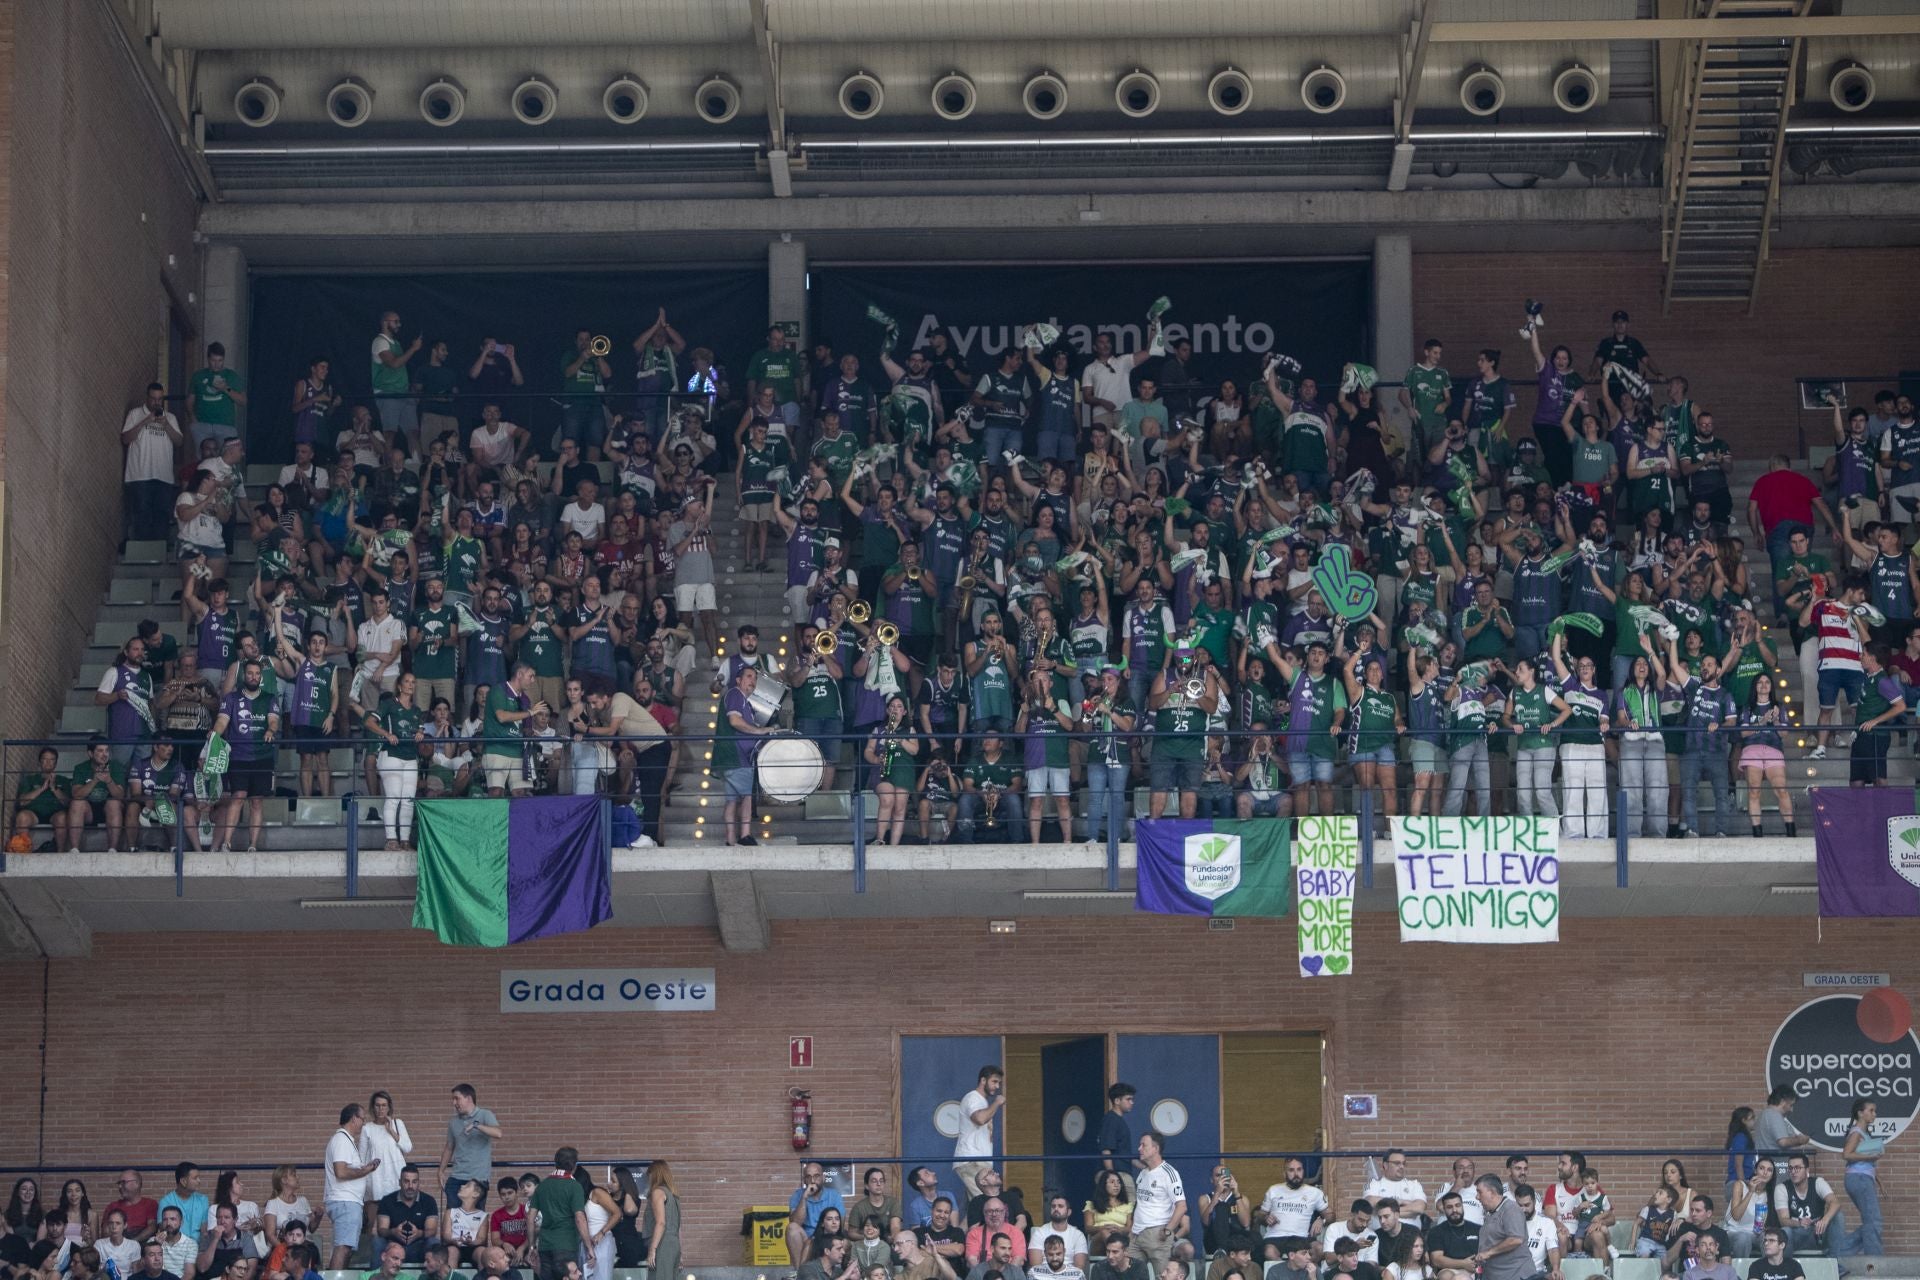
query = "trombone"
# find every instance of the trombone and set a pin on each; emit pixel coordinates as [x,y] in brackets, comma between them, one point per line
[600,346]
[859,611]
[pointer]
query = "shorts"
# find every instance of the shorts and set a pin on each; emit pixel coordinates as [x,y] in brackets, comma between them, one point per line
[348,1217]
[1049,782]
[756,511]
[1758,757]
[1833,683]
[1268,808]
[1306,768]
[44,808]
[98,811]
[308,739]
[502,772]
[255,777]
[740,782]
[1379,755]
[693,597]
[189,550]
[1427,757]
[1169,775]
[825,732]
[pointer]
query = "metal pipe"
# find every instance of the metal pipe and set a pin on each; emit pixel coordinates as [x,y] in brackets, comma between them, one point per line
[295,150]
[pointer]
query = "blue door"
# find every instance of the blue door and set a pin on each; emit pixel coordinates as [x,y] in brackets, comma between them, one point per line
[935,1073]
[1073,1090]
[1178,1084]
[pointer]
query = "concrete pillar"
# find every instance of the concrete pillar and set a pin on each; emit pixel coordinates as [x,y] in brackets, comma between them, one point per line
[787,283]
[228,316]
[1392,304]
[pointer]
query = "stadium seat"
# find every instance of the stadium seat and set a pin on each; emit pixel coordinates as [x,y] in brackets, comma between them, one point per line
[1620,1235]
[1818,1268]
[1641,1269]
[1583,1268]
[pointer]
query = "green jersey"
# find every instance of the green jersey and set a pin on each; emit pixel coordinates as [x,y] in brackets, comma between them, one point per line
[541,648]
[437,657]
[1531,711]
[212,403]
[1322,698]
[984,773]
[837,453]
[779,370]
[402,723]
[389,379]
[461,569]
[90,782]
[1042,723]
[582,381]
[1179,733]
[1591,460]
[1585,707]
[1373,719]
[1303,447]
[1432,394]
[755,466]
[818,697]
[501,739]
[1213,626]
[1490,639]
[1467,721]
[1748,666]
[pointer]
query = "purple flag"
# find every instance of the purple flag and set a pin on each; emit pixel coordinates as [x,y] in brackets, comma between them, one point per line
[1867,851]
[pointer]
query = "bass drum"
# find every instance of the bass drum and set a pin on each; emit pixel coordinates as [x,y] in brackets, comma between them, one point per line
[789,768]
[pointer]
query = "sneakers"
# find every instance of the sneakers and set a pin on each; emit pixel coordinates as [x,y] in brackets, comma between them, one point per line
[1818,753]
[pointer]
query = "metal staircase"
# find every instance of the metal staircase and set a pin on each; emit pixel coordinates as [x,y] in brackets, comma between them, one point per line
[1729,122]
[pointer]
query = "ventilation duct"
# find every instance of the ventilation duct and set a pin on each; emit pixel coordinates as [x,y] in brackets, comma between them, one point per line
[1324,90]
[625,100]
[443,102]
[1576,89]
[1851,87]
[1137,94]
[717,100]
[534,101]
[257,103]
[1045,96]
[1482,91]
[1230,91]
[349,103]
[861,96]
[954,97]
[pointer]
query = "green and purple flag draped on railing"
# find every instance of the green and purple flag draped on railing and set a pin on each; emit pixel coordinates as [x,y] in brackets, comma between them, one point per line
[494,872]
[1197,867]
[1866,843]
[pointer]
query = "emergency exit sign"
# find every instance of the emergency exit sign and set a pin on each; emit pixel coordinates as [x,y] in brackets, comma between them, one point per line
[800,1052]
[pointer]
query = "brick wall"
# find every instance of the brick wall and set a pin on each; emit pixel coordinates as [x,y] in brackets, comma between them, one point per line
[92,206]
[1631,1032]
[1821,311]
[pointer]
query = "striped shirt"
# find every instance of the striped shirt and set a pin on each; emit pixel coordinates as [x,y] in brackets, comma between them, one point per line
[1839,642]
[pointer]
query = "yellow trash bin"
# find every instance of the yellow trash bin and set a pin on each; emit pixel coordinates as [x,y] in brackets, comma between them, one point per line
[765,1227]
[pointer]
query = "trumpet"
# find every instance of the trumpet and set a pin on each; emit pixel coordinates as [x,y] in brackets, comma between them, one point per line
[859,611]
[826,643]
[886,633]
[600,346]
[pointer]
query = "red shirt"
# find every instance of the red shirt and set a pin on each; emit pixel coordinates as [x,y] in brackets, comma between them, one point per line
[1784,495]
[510,1226]
[140,1213]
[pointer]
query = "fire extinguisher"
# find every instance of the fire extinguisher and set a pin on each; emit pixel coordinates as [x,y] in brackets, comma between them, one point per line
[802,1110]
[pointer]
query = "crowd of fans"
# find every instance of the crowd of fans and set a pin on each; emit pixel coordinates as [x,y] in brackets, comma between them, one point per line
[1009,584]
[1135,1219]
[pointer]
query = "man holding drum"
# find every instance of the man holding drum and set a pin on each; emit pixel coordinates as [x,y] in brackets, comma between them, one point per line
[735,744]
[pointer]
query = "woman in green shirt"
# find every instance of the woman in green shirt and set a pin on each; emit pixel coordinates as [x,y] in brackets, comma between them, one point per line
[397,722]
[893,750]
[1375,720]
[1533,713]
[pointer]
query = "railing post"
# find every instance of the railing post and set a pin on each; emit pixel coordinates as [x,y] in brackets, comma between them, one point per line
[351,805]
[858,802]
[1620,838]
[1114,819]
[180,845]
[606,828]
[1366,837]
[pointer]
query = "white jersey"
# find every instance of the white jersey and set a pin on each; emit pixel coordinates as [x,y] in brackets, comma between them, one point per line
[1292,1209]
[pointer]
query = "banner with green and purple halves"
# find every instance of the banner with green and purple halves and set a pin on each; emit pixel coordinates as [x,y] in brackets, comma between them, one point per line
[494,872]
[1202,867]
[1866,851]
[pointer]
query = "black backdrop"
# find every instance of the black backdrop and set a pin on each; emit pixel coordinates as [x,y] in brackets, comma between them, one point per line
[297,317]
[1234,312]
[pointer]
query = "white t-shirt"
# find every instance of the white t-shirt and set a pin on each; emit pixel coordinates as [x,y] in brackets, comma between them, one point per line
[1543,1233]
[493,448]
[1406,1190]
[316,479]
[1076,1241]
[1067,1271]
[378,636]
[342,1148]
[1336,1231]
[385,1180]
[976,1140]
[202,530]
[1110,381]
[1156,1193]
[150,452]
[1292,1209]
[589,524]
[125,1255]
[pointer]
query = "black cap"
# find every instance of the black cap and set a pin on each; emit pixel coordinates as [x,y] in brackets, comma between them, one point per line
[1619,317]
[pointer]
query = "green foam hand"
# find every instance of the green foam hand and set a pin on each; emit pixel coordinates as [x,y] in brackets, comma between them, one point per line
[1348,592]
